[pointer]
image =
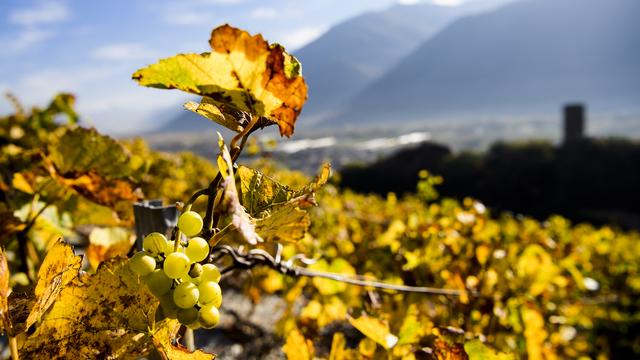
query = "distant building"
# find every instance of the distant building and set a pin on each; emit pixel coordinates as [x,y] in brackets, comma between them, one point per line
[574,119]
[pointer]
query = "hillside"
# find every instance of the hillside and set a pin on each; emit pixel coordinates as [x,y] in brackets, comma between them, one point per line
[526,57]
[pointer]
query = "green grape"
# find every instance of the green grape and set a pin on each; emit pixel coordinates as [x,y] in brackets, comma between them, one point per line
[170,245]
[195,280]
[188,316]
[186,295]
[209,316]
[197,249]
[190,223]
[169,307]
[176,265]
[195,326]
[196,270]
[210,272]
[210,293]
[142,264]
[155,243]
[158,282]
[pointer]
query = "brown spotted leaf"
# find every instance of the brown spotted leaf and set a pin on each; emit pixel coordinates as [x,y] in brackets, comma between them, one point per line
[58,269]
[242,73]
[108,313]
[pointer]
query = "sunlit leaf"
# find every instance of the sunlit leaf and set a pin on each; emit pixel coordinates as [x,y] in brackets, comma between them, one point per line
[59,268]
[375,329]
[108,313]
[476,350]
[242,73]
[297,347]
[338,266]
[4,291]
[162,340]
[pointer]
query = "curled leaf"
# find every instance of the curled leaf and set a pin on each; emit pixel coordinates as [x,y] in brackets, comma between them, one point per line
[242,73]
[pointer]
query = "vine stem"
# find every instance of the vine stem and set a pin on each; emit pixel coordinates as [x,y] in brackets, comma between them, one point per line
[13,345]
[259,257]
[209,220]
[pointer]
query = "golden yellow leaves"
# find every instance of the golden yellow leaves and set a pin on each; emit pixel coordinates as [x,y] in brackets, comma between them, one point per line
[58,269]
[109,313]
[297,347]
[375,329]
[242,74]
[162,341]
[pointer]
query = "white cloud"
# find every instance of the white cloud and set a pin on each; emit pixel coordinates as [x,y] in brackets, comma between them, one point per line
[186,18]
[45,13]
[302,36]
[27,38]
[407,2]
[122,52]
[263,14]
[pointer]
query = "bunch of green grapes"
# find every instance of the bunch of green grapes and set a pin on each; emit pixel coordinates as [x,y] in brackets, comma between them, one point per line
[187,289]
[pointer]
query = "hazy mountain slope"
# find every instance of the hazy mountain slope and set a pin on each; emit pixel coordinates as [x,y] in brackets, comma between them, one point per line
[527,56]
[352,54]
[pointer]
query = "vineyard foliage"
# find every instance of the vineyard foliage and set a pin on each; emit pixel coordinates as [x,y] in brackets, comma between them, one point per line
[529,289]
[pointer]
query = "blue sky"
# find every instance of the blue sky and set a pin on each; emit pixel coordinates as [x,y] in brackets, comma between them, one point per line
[91,47]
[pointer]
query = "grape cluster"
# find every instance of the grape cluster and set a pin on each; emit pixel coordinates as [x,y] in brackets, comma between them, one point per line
[187,290]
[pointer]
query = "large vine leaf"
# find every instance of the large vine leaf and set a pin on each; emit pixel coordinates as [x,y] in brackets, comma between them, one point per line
[59,268]
[81,150]
[109,313]
[96,167]
[243,73]
[279,210]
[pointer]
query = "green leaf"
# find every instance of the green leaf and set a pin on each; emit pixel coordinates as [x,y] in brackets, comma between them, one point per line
[374,329]
[479,351]
[242,73]
[83,150]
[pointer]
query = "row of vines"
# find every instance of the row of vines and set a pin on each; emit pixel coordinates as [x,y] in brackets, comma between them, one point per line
[520,288]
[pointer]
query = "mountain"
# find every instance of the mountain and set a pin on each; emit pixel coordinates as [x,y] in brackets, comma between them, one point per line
[355,52]
[352,54]
[528,56]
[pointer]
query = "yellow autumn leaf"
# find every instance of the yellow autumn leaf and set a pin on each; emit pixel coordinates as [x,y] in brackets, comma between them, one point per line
[297,347]
[162,340]
[106,243]
[108,313]
[59,268]
[375,329]
[476,350]
[243,73]
[4,292]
